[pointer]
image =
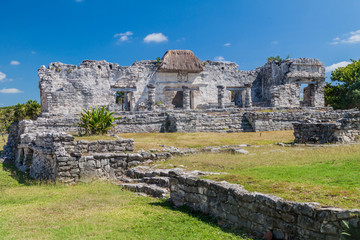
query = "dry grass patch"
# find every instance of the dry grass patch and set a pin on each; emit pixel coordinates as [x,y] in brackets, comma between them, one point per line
[202,139]
[328,175]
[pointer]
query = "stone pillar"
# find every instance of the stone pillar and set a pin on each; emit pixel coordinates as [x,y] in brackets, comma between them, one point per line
[221,92]
[248,102]
[151,96]
[186,97]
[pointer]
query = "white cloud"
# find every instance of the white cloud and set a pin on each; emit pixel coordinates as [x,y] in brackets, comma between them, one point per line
[155,37]
[14,62]
[336,65]
[33,52]
[349,38]
[10,90]
[275,42]
[220,59]
[2,77]
[227,44]
[122,37]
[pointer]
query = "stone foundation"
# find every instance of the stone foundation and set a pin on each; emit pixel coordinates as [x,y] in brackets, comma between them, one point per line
[344,130]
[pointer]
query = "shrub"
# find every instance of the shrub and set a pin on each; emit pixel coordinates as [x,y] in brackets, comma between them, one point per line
[96,120]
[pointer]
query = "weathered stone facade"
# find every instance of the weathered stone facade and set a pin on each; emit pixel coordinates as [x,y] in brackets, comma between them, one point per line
[239,208]
[344,130]
[55,156]
[191,84]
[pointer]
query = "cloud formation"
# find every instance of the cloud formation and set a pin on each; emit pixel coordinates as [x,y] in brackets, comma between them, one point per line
[349,38]
[2,77]
[122,37]
[155,37]
[336,65]
[10,90]
[14,62]
[275,42]
[220,59]
[227,44]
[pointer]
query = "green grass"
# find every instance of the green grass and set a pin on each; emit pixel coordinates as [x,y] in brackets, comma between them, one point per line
[328,175]
[202,139]
[30,210]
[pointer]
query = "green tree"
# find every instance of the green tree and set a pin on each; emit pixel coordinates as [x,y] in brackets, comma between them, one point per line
[277,58]
[344,90]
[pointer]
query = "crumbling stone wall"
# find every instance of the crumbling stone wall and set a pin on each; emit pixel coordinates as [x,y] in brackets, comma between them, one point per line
[283,119]
[239,208]
[55,156]
[67,89]
[344,130]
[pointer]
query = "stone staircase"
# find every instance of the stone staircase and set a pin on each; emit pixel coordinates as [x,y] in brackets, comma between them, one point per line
[152,182]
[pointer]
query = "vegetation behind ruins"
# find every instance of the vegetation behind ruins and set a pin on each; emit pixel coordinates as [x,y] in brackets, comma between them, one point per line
[344,90]
[29,110]
[94,211]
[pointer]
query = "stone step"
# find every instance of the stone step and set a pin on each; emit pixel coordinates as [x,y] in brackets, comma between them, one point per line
[149,189]
[159,181]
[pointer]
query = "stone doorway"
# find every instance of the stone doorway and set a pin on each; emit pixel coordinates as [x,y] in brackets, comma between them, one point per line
[307,95]
[178,99]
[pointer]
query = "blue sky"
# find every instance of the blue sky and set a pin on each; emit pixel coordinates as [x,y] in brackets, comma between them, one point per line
[35,33]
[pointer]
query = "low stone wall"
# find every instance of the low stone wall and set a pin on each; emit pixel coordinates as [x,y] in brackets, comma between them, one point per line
[239,208]
[283,119]
[206,120]
[344,130]
[57,157]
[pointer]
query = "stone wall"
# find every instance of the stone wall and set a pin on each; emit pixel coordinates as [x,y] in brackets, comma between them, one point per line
[283,119]
[239,208]
[55,156]
[344,130]
[67,89]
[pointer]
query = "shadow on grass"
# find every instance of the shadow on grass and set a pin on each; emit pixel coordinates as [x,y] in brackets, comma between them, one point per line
[21,177]
[204,218]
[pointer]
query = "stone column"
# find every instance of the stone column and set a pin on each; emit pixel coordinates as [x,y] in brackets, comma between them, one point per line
[221,92]
[248,102]
[186,97]
[151,96]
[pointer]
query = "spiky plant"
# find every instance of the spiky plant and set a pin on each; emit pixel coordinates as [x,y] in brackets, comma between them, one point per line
[350,233]
[96,120]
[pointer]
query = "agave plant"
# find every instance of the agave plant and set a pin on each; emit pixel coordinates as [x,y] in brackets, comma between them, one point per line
[96,120]
[350,233]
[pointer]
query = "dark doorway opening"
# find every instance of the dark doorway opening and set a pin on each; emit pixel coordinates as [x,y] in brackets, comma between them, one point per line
[178,100]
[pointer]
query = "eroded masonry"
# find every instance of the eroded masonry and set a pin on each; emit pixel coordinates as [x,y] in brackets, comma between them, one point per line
[180,81]
[180,93]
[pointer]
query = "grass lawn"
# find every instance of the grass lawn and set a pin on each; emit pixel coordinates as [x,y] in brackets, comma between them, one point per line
[328,175]
[2,142]
[94,211]
[202,139]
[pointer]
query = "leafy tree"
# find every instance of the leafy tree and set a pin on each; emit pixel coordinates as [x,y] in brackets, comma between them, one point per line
[277,58]
[344,91]
[96,120]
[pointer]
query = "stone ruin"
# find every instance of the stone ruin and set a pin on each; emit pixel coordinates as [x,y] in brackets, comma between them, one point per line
[180,93]
[179,81]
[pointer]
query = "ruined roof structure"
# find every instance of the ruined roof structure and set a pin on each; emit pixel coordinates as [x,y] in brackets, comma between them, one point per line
[180,81]
[180,61]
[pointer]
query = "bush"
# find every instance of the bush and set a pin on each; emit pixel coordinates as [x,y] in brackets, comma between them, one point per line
[96,120]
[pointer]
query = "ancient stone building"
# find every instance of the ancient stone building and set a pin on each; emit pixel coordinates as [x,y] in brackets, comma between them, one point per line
[179,81]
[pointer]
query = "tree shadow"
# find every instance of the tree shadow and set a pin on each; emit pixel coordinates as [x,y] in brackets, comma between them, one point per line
[212,221]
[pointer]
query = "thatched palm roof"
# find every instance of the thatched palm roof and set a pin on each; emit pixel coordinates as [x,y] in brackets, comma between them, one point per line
[180,61]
